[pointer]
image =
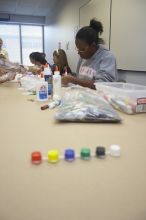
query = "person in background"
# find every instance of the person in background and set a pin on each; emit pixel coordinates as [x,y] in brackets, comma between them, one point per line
[97,63]
[60,60]
[39,61]
[3,53]
[8,70]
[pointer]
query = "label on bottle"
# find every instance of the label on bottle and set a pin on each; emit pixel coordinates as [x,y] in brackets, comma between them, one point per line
[43,93]
[141,105]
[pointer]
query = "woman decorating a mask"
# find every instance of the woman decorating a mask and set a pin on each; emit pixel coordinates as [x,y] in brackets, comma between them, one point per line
[97,63]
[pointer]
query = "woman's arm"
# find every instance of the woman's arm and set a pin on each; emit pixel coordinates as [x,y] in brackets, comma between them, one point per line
[71,79]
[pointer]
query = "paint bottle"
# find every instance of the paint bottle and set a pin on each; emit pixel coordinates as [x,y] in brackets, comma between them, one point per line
[56,85]
[42,89]
[48,77]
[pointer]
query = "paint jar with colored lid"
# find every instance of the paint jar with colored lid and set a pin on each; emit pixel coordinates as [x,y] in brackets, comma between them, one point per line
[53,156]
[85,153]
[69,155]
[36,157]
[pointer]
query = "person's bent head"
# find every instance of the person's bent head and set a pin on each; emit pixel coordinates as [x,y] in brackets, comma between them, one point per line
[37,58]
[60,58]
[87,39]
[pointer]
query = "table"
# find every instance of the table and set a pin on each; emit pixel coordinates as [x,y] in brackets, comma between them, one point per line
[104,189]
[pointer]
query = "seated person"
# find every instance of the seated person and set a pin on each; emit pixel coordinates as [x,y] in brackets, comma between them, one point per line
[97,63]
[3,53]
[39,61]
[60,60]
[9,69]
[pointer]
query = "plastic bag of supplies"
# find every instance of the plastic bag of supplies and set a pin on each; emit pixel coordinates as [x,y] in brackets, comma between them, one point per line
[126,97]
[85,105]
[29,82]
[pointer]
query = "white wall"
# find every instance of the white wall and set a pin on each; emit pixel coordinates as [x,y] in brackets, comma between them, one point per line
[133,77]
[63,30]
[128,34]
[99,9]
[50,41]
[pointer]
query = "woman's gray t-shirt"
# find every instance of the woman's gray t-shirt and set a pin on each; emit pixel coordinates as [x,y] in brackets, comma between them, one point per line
[101,67]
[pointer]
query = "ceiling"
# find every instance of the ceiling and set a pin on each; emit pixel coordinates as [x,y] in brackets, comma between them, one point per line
[30,7]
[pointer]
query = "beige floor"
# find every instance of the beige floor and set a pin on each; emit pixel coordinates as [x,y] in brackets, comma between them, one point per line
[109,189]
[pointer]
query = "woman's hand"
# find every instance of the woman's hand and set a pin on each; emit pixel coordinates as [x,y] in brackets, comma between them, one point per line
[68,79]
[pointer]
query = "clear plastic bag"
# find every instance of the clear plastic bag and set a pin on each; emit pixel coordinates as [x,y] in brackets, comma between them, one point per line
[29,82]
[85,105]
[126,97]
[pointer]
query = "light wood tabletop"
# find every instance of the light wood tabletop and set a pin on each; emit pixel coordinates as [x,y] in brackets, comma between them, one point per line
[99,189]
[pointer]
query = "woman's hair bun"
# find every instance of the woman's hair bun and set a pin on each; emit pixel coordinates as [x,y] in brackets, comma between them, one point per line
[96,25]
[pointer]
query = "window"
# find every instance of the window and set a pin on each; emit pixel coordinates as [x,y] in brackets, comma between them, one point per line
[31,41]
[10,35]
[21,40]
